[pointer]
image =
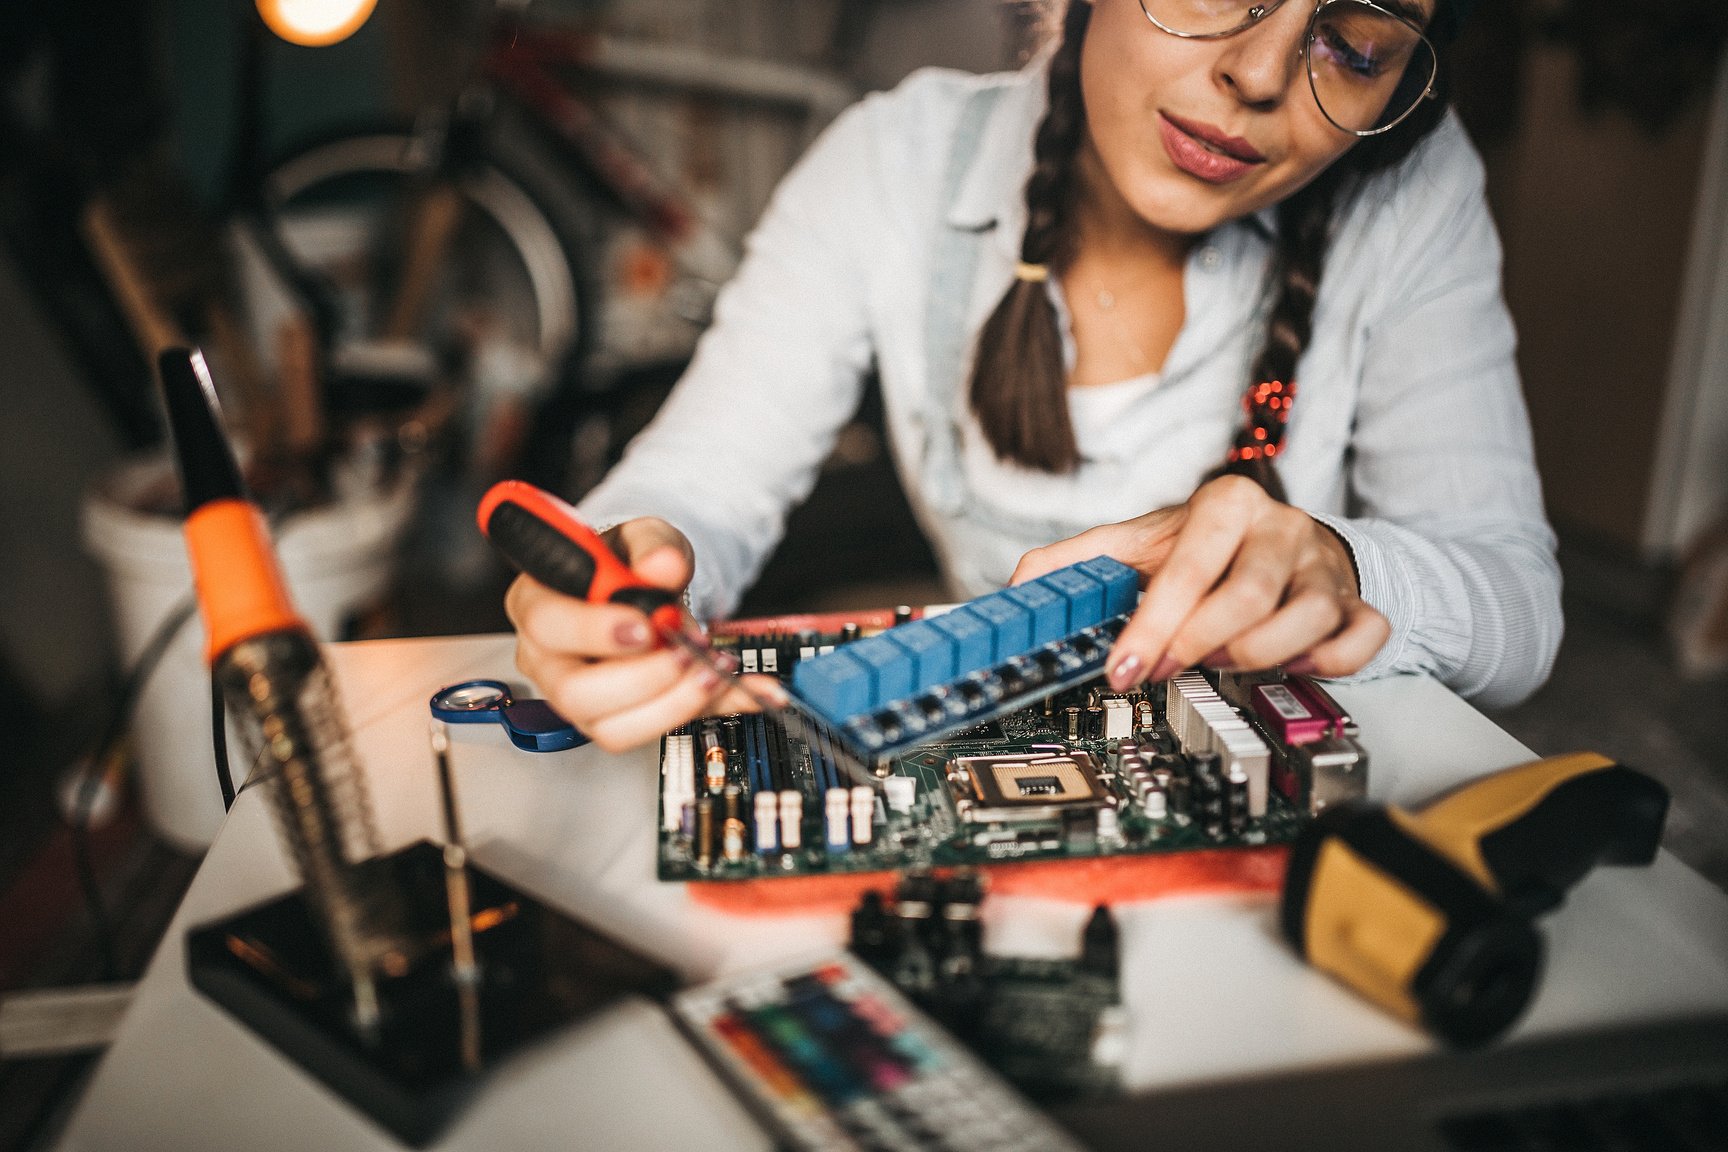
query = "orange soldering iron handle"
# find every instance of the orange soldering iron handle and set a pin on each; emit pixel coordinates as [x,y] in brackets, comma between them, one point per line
[541,536]
[241,591]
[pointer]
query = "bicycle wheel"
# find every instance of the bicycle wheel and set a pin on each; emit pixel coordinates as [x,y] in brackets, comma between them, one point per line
[511,302]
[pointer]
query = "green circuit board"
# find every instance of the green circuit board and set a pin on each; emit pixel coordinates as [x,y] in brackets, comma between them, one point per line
[1083,773]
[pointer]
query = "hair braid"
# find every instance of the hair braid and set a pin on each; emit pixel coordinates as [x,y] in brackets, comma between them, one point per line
[1305,222]
[1304,228]
[1019,380]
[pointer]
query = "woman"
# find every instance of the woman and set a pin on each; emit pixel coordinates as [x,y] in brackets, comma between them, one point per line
[1068,279]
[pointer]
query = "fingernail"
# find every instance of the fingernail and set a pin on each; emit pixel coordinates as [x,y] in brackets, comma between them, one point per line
[682,657]
[631,634]
[709,680]
[726,662]
[1164,669]
[1301,666]
[1219,660]
[1127,672]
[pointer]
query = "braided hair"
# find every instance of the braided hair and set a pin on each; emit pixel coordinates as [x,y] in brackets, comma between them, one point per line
[1019,381]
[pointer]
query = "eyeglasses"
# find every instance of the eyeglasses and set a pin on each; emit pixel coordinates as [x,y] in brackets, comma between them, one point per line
[1369,67]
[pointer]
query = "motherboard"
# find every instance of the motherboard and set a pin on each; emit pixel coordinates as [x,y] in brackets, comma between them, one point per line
[1203,760]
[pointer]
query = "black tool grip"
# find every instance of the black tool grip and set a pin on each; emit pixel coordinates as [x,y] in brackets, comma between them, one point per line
[539,550]
[1610,816]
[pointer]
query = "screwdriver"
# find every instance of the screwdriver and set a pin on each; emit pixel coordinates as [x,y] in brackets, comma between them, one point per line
[541,535]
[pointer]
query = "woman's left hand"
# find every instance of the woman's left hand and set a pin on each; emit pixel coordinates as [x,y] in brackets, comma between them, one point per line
[1234,579]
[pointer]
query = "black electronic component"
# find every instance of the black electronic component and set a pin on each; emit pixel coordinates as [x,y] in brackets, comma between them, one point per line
[704,848]
[1236,802]
[1100,944]
[1038,1021]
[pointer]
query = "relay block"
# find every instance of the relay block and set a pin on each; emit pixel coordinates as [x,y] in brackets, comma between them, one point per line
[918,681]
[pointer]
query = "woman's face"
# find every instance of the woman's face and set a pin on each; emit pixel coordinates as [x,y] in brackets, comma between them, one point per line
[1195,133]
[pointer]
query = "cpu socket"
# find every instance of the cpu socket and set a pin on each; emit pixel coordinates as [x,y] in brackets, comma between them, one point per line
[1023,789]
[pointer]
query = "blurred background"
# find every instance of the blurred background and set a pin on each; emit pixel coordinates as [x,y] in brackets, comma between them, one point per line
[475,239]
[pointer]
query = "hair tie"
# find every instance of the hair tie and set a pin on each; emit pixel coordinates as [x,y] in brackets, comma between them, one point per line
[1267,407]
[1031,273]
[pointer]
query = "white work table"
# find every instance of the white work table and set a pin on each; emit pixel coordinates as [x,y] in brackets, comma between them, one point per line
[1211,989]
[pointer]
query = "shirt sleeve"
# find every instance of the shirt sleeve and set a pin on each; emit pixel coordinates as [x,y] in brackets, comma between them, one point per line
[1445,517]
[780,370]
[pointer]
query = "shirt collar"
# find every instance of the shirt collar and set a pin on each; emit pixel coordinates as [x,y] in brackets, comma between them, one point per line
[992,191]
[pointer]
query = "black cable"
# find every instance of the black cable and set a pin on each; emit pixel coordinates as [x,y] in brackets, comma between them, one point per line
[219,743]
[118,724]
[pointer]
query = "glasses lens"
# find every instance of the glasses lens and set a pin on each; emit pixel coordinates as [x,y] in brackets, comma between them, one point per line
[1201,17]
[1368,67]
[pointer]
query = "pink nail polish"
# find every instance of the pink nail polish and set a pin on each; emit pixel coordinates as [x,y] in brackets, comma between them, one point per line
[1127,671]
[1219,660]
[1164,669]
[631,634]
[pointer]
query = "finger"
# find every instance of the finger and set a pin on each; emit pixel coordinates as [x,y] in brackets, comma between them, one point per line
[1309,616]
[1200,555]
[1043,561]
[655,550]
[693,694]
[584,691]
[1250,594]
[1364,633]
[553,622]
[735,698]
[1141,543]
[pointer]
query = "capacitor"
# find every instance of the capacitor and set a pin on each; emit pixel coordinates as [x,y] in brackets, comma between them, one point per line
[1156,803]
[1144,717]
[1073,722]
[687,821]
[1236,802]
[902,613]
[730,732]
[901,792]
[732,840]
[848,632]
[837,804]
[732,831]
[791,819]
[1113,755]
[1109,824]
[864,813]
[1162,777]
[767,823]
[714,767]
[1209,802]
[704,831]
[1181,798]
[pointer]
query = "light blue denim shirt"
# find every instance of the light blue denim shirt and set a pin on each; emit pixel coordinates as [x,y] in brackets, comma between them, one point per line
[1409,435]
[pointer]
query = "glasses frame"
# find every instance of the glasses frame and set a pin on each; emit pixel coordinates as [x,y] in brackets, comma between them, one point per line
[1259,12]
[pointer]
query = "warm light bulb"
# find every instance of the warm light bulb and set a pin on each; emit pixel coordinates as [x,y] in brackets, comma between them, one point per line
[315,23]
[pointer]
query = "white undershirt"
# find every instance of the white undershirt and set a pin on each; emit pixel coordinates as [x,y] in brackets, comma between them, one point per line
[1105,434]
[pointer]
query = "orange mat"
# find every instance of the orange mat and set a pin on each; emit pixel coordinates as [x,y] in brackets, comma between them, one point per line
[1104,880]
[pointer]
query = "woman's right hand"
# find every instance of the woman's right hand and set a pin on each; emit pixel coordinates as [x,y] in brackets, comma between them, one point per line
[602,667]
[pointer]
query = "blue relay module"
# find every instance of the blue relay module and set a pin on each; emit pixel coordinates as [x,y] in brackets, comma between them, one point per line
[875,698]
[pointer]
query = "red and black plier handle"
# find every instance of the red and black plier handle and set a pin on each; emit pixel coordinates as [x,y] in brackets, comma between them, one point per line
[542,536]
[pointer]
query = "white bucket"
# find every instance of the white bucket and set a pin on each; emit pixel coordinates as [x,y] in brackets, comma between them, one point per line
[337,560]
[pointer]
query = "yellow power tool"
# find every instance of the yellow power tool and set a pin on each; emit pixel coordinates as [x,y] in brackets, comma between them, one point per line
[1430,913]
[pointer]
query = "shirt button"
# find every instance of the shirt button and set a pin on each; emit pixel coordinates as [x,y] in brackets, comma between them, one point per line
[1209,258]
